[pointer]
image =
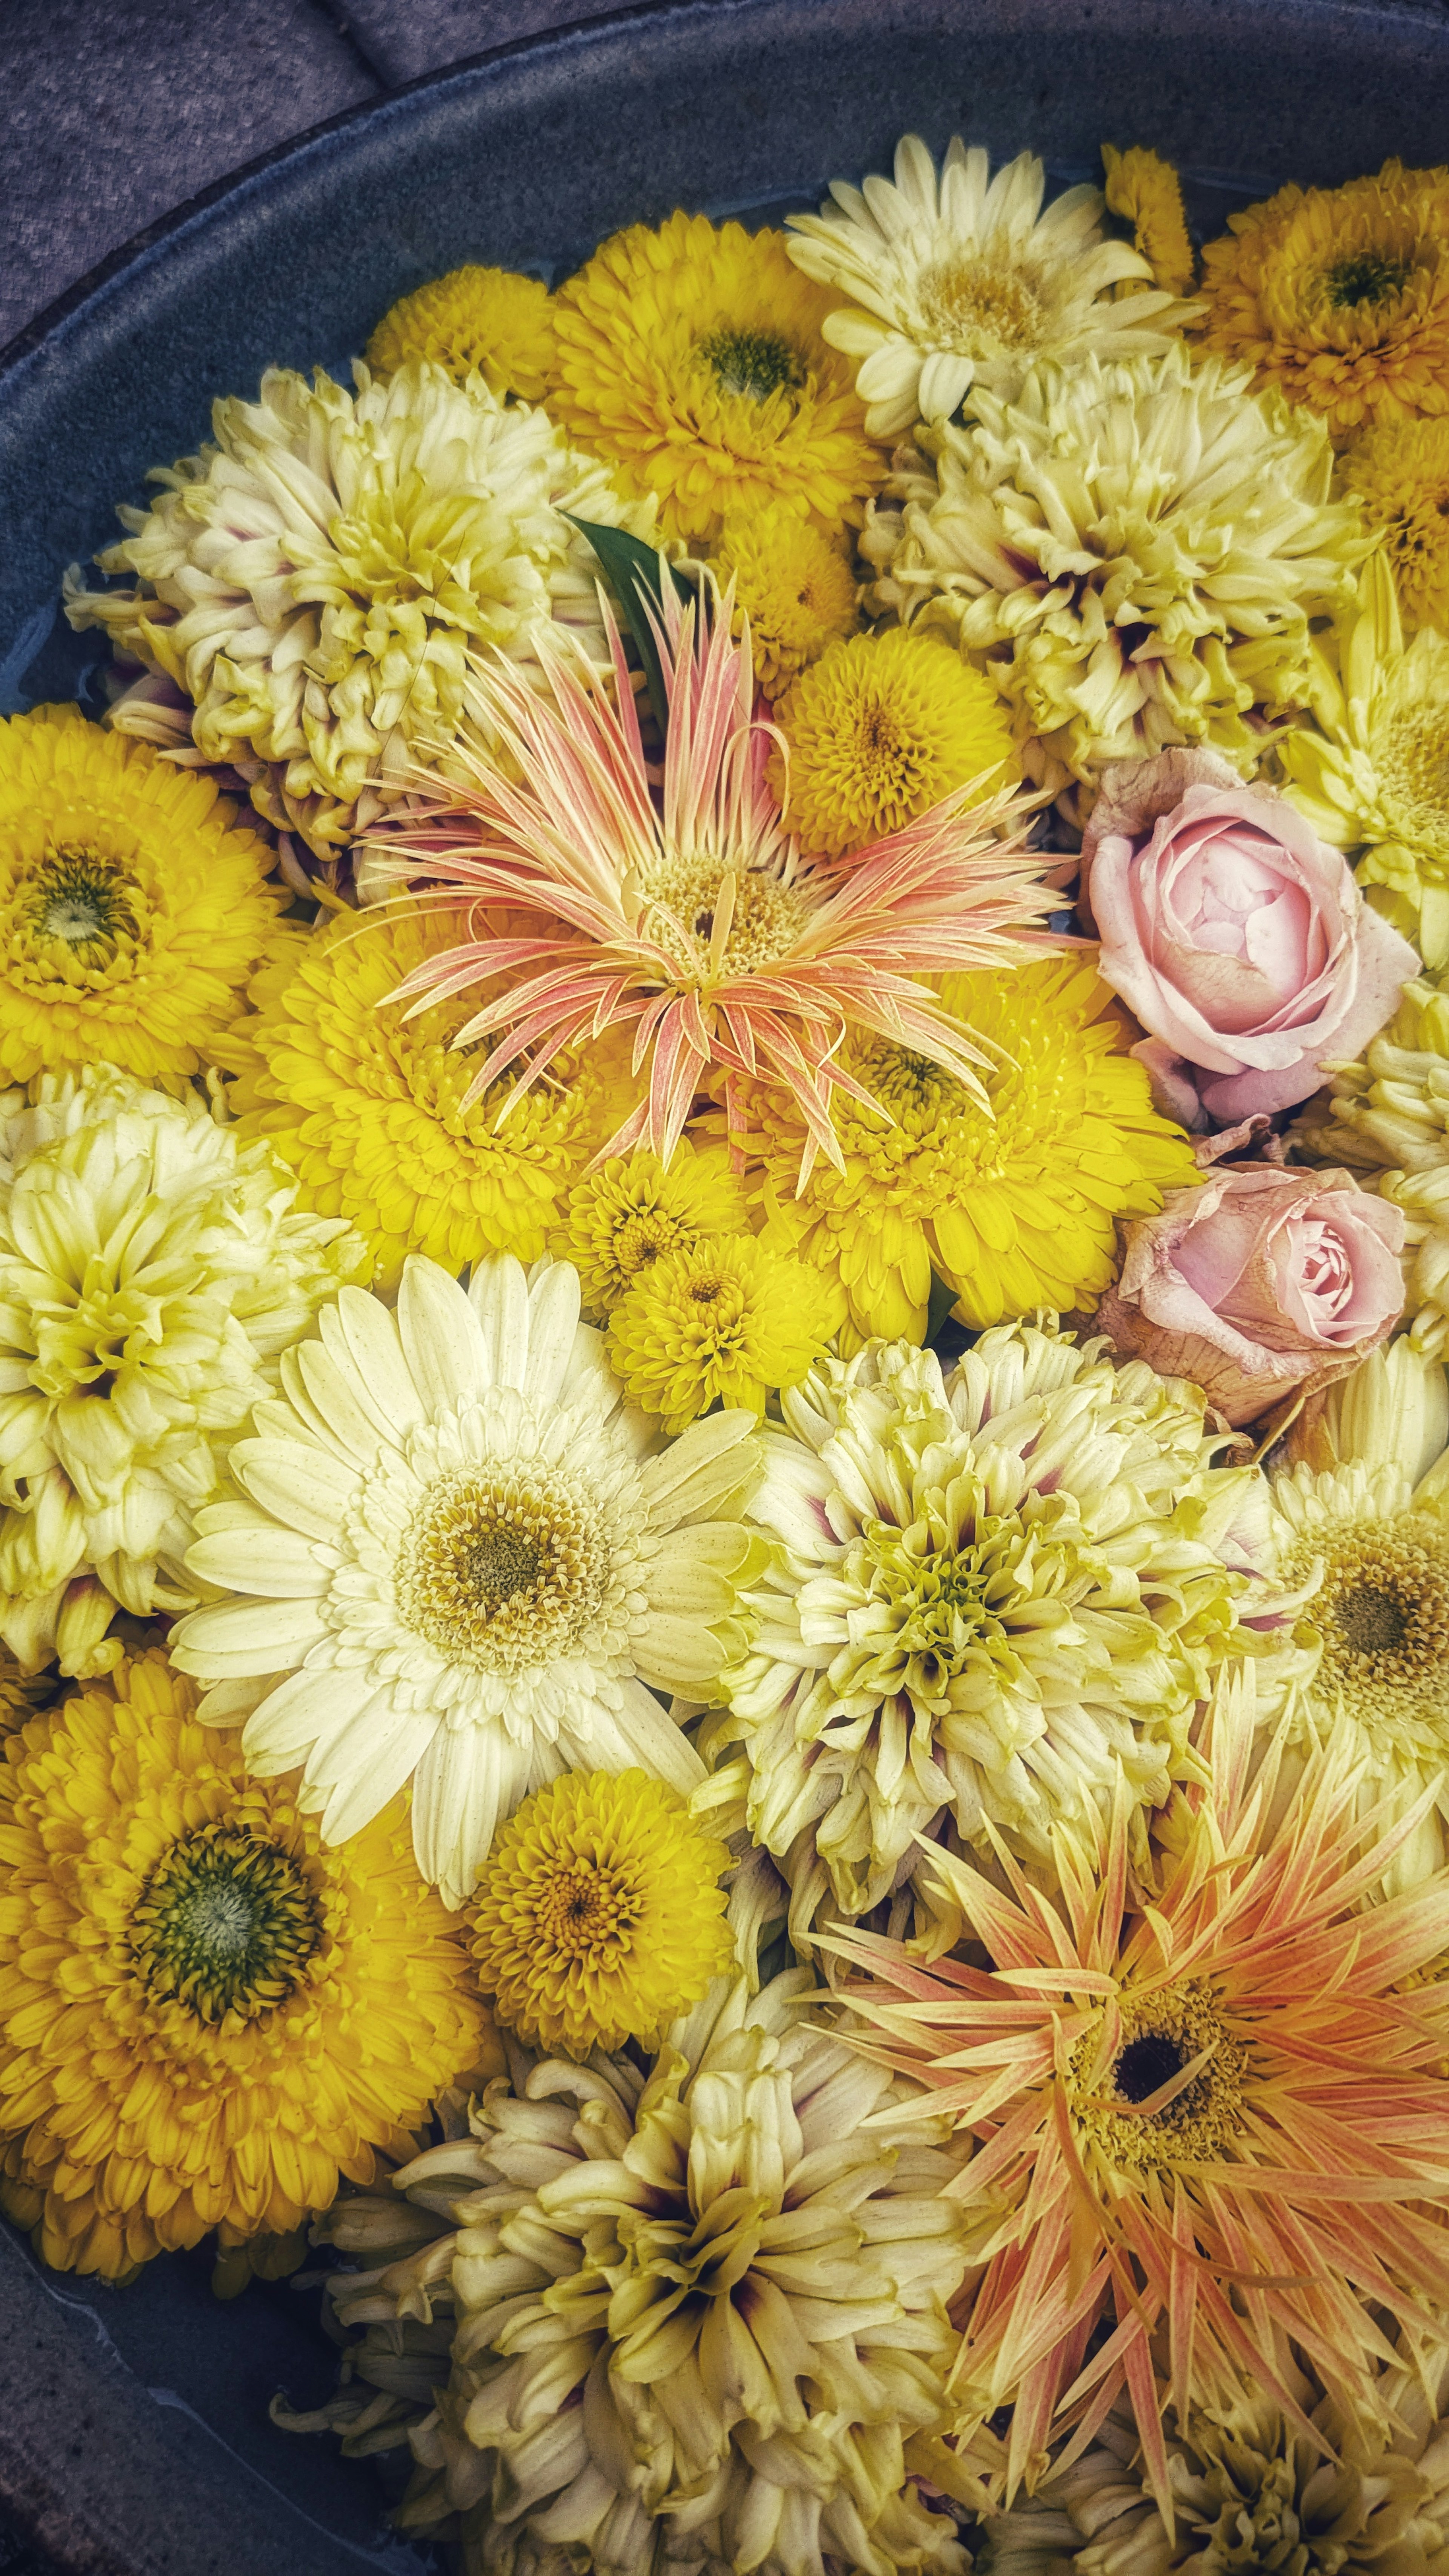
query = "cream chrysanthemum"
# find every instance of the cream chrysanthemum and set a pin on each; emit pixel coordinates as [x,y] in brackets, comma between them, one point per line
[205,2018]
[600,1917]
[1387,1118]
[727,1322]
[1146,192]
[488,322]
[793,586]
[995,1601]
[691,358]
[309,591]
[1138,547]
[623,1217]
[1373,778]
[878,730]
[152,1268]
[131,909]
[964,284]
[367,1108]
[1013,1204]
[460,1560]
[700,2316]
[1399,476]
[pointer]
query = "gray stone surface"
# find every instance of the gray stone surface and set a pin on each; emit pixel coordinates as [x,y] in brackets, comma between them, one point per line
[404,39]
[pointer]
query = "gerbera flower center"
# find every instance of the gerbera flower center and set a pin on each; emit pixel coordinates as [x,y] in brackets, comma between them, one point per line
[1366,277]
[756,363]
[1384,1616]
[503,1571]
[225,1923]
[1159,2038]
[981,306]
[80,898]
[683,902]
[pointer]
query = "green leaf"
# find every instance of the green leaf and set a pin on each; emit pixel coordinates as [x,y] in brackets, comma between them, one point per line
[634,573]
[942,1301]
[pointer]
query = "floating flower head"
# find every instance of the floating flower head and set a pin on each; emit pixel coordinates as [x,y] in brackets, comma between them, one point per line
[1339,297]
[600,1917]
[700,2314]
[792,586]
[488,322]
[1373,778]
[691,921]
[1137,545]
[152,1268]
[307,593]
[960,283]
[205,2017]
[1011,1199]
[131,909]
[1210,2118]
[995,1601]
[1145,191]
[626,1215]
[460,1564]
[1399,475]
[728,1322]
[1387,1117]
[879,730]
[691,358]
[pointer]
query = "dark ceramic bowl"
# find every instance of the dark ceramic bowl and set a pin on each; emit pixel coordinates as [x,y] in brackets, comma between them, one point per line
[133,2428]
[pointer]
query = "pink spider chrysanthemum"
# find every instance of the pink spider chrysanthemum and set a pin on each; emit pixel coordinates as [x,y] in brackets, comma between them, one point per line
[688,911]
[1212,2113]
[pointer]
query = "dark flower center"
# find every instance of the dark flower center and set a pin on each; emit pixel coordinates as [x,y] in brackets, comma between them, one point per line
[757,363]
[225,1923]
[1147,2063]
[1366,278]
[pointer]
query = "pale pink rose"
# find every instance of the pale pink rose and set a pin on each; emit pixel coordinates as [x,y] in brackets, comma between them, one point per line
[1237,937]
[1260,1282]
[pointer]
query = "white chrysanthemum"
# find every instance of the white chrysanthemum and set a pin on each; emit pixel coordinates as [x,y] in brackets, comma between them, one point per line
[466,1562]
[1135,547]
[699,2316]
[994,1597]
[151,1271]
[965,282]
[1387,1118]
[308,591]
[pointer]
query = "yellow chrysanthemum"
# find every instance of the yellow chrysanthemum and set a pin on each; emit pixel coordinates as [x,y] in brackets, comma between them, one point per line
[1399,474]
[724,1323]
[1340,296]
[600,1917]
[624,1216]
[1013,1208]
[1145,192]
[131,910]
[796,589]
[475,321]
[880,728]
[366,1106]
[691,358]
[206,2017]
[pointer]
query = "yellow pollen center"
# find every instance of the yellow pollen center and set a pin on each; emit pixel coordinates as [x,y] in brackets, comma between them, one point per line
[680,907]
[982,307]
[585,1910]
[503,1573]
[641,1239]
[1158,2038]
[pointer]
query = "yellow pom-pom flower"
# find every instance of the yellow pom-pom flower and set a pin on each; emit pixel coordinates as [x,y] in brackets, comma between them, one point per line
[692,359]
[878,730]
[1399,473]
[1144,191]
[727,1323]
[621,1218]
[488,322]
[366,1107]
[796,589]
[131,911]
[1013,1205]
[600,1917]
[206,2016]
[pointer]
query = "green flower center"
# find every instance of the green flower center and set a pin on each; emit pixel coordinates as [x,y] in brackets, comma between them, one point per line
[1366,278]
[915,1089]
[225,1923]
[80,899]
[757,363]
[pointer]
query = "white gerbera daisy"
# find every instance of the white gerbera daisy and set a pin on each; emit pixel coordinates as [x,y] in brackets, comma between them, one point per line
[464,1563]
[965,282]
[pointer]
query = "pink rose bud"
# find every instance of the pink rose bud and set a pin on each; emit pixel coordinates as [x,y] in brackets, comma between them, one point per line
[1258,1283]
[1237,937]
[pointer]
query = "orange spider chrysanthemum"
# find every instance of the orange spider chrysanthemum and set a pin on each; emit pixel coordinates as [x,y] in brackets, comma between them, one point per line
[690,914]
[1213,2111]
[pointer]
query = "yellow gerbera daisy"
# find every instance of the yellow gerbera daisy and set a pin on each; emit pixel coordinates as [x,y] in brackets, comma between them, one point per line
[206,2017]
[366,1107]
[131,910]
[600,1917]
[1145,192]
[1013,1209]
[724,1323]
[793,585]
[878,730]
[621,1218]
[475,321]
[1399,472]
[1340,296]
[691,358]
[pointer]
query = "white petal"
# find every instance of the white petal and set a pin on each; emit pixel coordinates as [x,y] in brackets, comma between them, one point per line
[305,1487]
[553,1323]
[244,1637]
[441,1338]
[263,1559]
[856,333]
[333,1391]
[498,1295]
[369,1336]
[299,1713]
[706,1462]
[944,379]
[638,1732]
[468,1783]
[366,1765]
[679,1654]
